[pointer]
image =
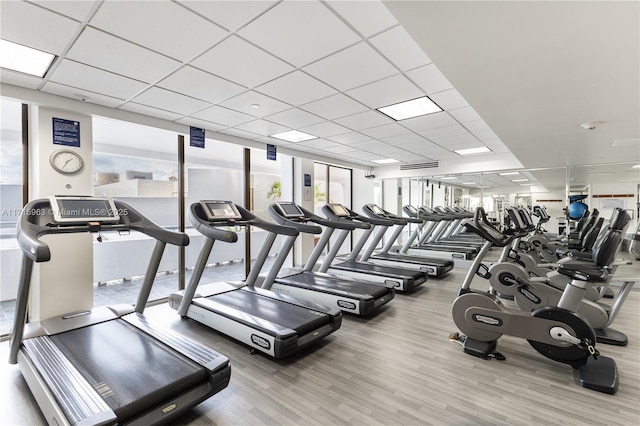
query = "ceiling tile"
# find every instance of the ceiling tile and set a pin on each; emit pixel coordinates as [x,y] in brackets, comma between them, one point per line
[146,110]
[19,79]
[449,99]
[294,118]
[398,46]
[201,124]
[392,129]
[241,134]
[317,144]
[442,132]
[486,135]
[465,114]
[72,9]
[476,126]
[201,85]
[430,79]
[426,122]
[368,18]
[424,148]
[296,88]
[349,138]
[241,62]
[369,145]
[170,101]
[335,106]
[230,14]
[340,149]
[262,127]
[76,93]
[160,26]
[223,116]
[244,101]
[459,146]
[352,67]
[35,27]
[299,32]
[325,130]
[120,56]
[386,92]
[403,139]
[449,141]
[385,150]
[96,80]
[364,120]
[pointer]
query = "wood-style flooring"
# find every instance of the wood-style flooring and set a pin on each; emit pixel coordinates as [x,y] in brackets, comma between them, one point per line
[396,368]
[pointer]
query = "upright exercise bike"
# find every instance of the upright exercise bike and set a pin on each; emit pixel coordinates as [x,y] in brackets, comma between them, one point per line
[557,332]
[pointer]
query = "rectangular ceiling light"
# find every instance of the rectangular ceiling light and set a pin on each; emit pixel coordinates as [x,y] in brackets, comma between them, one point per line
[526,184]
[385,161]
[24,59]
[448,177]
[519,180]
[509,173]
[294,136]
[472,151]
[409,109]
[637,166]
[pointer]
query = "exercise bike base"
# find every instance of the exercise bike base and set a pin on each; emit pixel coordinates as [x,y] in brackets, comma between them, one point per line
[599,374]
[480,349]
[609,336]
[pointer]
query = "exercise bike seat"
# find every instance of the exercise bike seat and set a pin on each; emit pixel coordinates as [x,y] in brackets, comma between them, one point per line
[591,273]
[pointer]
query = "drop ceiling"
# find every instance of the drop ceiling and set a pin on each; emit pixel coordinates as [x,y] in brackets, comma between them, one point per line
[518,78]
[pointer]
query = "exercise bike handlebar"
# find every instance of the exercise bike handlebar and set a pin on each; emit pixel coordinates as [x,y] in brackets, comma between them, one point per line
[483,228]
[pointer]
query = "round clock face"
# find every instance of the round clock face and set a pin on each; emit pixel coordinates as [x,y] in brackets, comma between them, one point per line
[65,161]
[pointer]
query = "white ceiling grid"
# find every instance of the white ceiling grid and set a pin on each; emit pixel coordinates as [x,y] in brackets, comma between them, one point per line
[252,69]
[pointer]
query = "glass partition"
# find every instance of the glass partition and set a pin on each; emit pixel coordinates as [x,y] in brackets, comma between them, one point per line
[10,205]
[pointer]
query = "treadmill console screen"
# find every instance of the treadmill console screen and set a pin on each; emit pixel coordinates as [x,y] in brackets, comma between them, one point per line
[83,209]
[290,210]
[413,210]
[220,210]
[376,210]
[339,210]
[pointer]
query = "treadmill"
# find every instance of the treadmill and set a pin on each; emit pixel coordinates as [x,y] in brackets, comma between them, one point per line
[272,323]
[355,297]
[106,365]
[402,279]
[422,233]
[433,266]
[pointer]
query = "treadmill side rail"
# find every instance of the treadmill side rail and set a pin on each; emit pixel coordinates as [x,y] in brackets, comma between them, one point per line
[188,347]
[78,400]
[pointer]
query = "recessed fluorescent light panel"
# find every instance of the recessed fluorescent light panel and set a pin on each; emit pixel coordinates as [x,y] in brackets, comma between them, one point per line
[385,161]
[519,180]
[448,177]
[24,59]
[472,151]
[294,136]
[409,109]
[509,173]
[637,166]
[526,184]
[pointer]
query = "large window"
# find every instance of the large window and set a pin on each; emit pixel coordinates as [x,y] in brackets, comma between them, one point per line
[138,165]
[10,205]
[332,184]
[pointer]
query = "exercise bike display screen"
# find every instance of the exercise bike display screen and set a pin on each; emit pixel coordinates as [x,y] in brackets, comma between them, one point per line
[83,209]
[220,210]
[339,210]
[290,210]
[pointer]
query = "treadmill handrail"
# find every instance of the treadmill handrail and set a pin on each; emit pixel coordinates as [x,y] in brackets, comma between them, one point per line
[30,228]
[397,220]
[353,216]
[196,215]
[300,225]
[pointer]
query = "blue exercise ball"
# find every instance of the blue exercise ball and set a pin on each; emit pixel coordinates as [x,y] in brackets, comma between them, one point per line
[577,209]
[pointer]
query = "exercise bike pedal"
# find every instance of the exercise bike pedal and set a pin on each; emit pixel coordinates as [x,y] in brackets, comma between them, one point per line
[484,350]
[599,374]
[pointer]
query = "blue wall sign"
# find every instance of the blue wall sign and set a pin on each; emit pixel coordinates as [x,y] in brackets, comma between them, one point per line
[66,132]
[307,179]
[196,137]
[271,152]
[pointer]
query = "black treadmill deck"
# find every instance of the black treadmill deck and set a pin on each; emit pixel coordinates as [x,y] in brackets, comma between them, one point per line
[131,371]
[335,285]
[441,266]
[409,278]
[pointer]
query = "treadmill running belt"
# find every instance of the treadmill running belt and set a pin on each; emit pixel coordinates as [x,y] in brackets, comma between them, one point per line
[382,270]
[297,318]
[130,370]
[334,285]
